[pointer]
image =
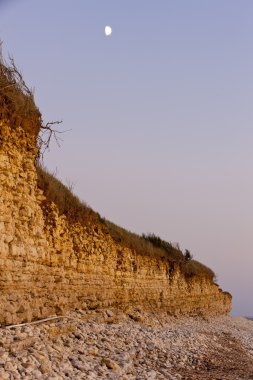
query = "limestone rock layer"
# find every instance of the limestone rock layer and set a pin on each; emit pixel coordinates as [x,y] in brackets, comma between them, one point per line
[48,266]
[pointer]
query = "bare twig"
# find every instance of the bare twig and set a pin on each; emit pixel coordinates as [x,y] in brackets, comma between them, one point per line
[18,106]
[48,132]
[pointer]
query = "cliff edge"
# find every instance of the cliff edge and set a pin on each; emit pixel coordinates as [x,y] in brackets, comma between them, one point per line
[51,263]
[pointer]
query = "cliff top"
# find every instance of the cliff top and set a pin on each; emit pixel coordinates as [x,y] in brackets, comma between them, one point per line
[77,211]
[17,104]
[18,108]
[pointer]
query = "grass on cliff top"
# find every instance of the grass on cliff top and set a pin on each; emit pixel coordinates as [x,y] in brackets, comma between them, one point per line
[142,244]
[193,268]
[147,244]
[17,104]
[67,202]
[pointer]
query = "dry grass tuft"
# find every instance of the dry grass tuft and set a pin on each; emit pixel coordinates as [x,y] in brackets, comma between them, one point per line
[194,268]
[68,204]
[17,104]
[133,241]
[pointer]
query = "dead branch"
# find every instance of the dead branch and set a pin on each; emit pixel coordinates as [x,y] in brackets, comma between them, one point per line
[47,134]
[18,106]
[18,78]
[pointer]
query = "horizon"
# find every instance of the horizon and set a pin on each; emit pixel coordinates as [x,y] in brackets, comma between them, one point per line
[159,114]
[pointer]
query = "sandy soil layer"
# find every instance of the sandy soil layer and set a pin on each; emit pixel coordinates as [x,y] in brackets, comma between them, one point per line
[109,344]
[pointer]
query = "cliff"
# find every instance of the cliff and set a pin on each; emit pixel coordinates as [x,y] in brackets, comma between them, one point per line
[49,265]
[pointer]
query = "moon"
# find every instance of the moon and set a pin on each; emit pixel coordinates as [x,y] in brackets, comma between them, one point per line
[108,30]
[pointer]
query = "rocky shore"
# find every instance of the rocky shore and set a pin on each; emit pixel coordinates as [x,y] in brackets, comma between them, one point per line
[109,344]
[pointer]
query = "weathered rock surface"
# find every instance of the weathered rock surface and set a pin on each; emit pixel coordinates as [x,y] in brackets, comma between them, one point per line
[48,266]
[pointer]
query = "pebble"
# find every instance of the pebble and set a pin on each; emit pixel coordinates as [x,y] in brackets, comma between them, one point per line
[124,350]
[111,364]
[109,313]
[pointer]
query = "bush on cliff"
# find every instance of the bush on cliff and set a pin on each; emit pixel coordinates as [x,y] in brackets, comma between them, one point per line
[173,251]
[194,268]
[17,104]
[18,108]
[134,241]
[67,202]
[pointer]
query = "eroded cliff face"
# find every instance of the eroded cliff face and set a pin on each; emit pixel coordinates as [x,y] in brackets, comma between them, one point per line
[48,266]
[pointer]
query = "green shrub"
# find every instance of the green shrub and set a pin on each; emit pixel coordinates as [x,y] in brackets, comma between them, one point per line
[187,255]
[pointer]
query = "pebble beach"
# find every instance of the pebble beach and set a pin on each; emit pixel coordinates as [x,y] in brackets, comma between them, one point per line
[130,345]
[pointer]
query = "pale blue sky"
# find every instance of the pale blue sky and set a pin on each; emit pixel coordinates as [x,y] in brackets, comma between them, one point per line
[160,114]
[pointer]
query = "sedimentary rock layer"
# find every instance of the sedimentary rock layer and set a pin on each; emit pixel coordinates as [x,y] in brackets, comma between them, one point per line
[49,266]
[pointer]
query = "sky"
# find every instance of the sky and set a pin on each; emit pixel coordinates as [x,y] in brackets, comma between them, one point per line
[159,116]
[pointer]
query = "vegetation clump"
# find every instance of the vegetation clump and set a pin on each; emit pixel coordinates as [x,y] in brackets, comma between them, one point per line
[67,202]
[17,104]
[18,108]
[195,268]
[133,241]
[187,255]
[173,251]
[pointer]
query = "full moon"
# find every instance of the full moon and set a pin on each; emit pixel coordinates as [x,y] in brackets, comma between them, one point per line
[108,30]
